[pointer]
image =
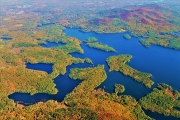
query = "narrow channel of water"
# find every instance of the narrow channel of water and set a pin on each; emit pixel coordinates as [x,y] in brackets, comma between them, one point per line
[6,38]
[157,116]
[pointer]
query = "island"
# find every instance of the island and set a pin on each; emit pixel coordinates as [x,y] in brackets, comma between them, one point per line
[91,39]
[118,88]
[101,46]
[92,42]
[118,63]
[127,36]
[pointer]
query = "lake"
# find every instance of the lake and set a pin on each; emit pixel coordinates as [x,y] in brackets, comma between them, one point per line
[63,83]
[162,63]
[6,38]
[40,66]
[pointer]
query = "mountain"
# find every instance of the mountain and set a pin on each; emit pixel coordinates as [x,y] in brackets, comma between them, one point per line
[139,19]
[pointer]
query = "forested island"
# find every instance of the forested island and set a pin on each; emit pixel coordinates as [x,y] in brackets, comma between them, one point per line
[118,63]
[127,36]
[92,42]
[119,88]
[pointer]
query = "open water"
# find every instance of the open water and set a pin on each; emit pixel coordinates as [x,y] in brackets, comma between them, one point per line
[162,63]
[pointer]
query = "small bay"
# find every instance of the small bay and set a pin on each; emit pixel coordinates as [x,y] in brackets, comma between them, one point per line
[63,83]
[40,66]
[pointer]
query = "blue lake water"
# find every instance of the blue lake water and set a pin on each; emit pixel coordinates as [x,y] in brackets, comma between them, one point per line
[6,38]
[40,66]
[159,116]
[63,83]
[162,63]
[176,33]
[176,108]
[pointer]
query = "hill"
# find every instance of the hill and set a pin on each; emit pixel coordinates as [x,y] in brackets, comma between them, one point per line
[138,19]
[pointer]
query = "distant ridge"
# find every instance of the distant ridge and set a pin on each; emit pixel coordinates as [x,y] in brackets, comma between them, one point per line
[143,18]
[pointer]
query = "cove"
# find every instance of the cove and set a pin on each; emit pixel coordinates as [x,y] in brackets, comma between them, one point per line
[177,108]
[157,116]
[6,38]
[63,83]
[40,66]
